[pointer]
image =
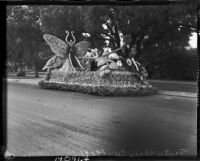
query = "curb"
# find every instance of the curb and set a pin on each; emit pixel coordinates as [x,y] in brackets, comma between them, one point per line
[175,93]
[15,81]
[160,92]
[173,82]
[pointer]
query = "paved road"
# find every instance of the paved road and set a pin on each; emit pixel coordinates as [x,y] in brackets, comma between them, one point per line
[48,122]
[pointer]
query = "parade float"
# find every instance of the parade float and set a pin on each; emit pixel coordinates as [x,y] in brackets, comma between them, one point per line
[78,67]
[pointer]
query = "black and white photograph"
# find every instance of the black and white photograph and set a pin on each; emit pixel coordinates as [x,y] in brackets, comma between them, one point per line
[101,80]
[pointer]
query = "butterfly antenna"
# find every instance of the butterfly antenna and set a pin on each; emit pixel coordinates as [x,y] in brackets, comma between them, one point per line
[72,32]
[66,38]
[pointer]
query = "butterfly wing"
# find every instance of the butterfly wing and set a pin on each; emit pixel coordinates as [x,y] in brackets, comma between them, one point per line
[55,62]
[45,54]
[58,46]
[82,48]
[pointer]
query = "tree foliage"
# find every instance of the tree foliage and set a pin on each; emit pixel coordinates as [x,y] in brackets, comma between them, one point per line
[23,24]
[157,32]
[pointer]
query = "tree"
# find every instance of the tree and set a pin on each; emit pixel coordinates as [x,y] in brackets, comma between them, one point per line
[23,23]
[56,20]
[147,24]
[156,31]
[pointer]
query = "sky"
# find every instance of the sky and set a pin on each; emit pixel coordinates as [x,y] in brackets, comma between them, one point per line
[193,40]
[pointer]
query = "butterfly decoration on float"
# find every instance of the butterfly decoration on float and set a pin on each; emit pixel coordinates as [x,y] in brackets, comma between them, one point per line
[66,54]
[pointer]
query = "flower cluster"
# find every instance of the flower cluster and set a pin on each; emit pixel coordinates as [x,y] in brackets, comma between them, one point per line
[101,90]
[116,84]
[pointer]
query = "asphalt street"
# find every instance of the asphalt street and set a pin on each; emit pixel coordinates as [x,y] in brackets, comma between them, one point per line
[48,122]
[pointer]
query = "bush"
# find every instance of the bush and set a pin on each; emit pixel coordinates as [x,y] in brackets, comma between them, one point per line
[178,66]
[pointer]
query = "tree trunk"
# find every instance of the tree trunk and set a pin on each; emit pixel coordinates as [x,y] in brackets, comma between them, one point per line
[21,70]
[138,47]
[20,66]
[35,70]
[15,67]
[36,73]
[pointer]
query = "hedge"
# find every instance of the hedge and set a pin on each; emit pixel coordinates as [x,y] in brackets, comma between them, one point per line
[176,66]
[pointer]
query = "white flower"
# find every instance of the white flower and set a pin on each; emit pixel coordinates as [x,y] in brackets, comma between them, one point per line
[109,21]
[129,62]
[88,54]
[113,56]
[86,34]
[107,37]
[107,42]
[119,63]
[107,49]
[120,35]
[104,26]
[92,54]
